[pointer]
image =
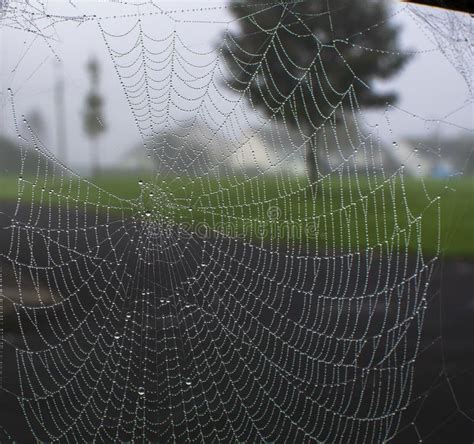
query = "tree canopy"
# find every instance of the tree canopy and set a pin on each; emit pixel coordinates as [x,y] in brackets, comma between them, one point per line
[307,62]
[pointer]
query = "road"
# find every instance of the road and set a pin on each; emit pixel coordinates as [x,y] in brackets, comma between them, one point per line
[443,392]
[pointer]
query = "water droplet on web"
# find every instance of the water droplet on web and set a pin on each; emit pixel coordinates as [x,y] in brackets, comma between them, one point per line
[140,182]
[128,315]
[117,335]
[188,381]
[141,391]
[147,213]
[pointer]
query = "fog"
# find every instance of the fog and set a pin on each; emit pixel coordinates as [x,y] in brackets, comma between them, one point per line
[429,87]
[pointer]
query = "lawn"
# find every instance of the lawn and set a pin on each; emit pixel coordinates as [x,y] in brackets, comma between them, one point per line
[392,213]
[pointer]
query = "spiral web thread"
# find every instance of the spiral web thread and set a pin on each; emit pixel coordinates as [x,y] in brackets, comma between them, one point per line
[149,327]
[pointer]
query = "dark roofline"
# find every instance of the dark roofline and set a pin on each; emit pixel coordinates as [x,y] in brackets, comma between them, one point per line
[454,5]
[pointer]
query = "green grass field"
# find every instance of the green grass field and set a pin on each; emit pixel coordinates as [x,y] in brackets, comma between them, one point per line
[343,214]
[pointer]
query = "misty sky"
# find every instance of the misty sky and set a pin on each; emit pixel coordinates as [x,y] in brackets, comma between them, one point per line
[429,87]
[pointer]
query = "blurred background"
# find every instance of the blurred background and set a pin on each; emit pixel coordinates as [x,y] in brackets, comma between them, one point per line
[51,81]
[143,100]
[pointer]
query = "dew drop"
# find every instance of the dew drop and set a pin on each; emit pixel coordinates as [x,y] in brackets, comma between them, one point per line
[141,391]
[187,381]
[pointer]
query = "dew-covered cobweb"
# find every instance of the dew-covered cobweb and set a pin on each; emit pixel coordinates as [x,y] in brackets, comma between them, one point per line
[235,298]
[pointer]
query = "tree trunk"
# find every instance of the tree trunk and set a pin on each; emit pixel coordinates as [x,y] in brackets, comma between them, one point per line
[311,166]
[317,166]
[95,158]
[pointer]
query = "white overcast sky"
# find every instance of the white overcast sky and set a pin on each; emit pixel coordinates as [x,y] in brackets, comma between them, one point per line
[430,87]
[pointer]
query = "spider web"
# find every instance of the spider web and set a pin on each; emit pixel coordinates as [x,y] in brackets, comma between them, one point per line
[226,301]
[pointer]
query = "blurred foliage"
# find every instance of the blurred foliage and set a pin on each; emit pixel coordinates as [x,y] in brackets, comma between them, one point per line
[309,63]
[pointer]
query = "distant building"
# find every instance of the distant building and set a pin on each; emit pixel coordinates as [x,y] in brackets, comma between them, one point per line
[448,155]
[269,150]
[414,163]
[136,160]
[192,150]
[200,150]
